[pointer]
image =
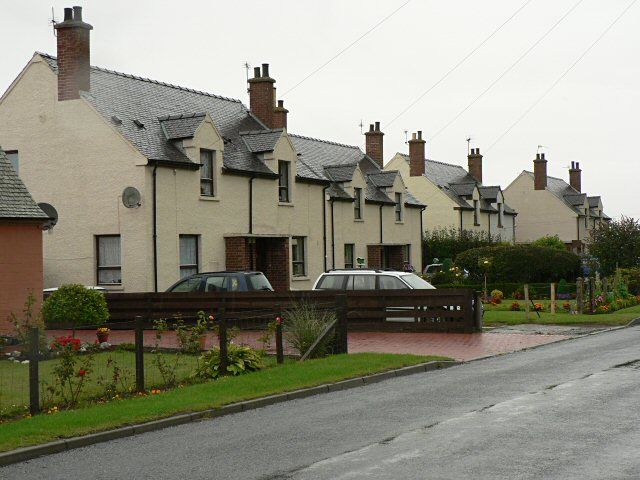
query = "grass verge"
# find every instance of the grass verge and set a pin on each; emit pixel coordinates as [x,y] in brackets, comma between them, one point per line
[617,318]
[290,376]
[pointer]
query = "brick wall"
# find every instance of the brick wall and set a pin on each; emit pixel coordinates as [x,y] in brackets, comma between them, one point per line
[237,253]
[21,269]
[374,256]
[416,155]
[262,99]
[396,257]
[270,256]
[375,143]
[73,61]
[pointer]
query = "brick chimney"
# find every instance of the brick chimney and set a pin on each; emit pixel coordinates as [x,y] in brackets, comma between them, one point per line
[280,115]
[539,172]
[475,164]
[416,155]
[575,176]
[374,143]
[73,54]
[262,95]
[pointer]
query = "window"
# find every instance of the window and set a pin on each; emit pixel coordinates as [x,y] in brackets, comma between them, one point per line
[476,213]
[109,266]
[188,255]
[331,282]
[222,283]
[12,155]
[348,255]
[361,282]
[500,214]
[398,207]
[388,282]
[406,253]
[207,173]
[283,181]
[357,204]
[297,257]
[189,285]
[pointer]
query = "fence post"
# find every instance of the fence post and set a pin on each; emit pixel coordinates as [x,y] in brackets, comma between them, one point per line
[139,343]
[592,297]
[279,344]
[580,294]
[342,342]
[477,311]
[222,338]
[553,298]
[526,301]
[34,380]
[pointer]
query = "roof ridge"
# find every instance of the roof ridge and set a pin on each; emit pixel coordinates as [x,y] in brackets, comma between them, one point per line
[435,161]
[324,141]
[180,116]
[260,132]
[149,80]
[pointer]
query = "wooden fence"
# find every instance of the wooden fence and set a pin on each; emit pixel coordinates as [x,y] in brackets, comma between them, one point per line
[446,310]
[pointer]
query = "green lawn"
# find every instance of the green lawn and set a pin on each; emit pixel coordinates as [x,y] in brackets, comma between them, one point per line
[493,316]
[14,377]
[290,376]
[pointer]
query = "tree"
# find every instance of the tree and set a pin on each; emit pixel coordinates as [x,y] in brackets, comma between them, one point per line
[76,305]
[552,241]
[616,244]
[447,243]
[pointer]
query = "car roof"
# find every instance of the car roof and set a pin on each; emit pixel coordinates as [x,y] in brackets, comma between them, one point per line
[369,271]
[228,272]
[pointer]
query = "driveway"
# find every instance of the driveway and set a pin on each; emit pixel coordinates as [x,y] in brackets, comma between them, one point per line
[560,411]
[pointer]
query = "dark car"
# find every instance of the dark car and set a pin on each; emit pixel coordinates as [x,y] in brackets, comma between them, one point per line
[222,282]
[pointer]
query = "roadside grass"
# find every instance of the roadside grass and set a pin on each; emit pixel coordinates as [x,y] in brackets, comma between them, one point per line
[502,317]
[14,377]
[292,375]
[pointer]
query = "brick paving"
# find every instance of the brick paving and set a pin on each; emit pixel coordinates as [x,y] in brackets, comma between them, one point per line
[461,346]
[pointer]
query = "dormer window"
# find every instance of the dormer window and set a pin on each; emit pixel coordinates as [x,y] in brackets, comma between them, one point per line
[476,213]
[207,173]
[283,182]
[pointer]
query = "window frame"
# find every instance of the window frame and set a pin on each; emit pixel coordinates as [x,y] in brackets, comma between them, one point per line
[300,242]
[350,247]
[212,166]
[181,266]
[398,207]
[100,268]
[286,187]
[357,203]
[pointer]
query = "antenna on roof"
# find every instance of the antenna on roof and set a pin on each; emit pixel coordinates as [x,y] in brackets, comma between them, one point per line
[541,146]
[361,124]
[406,136]
[469,145]
[53,22]
[247,67]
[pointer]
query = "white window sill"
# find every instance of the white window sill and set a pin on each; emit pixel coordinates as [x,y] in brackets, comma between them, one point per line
[400,222]
[359,220]
[209,199]
[111,287]
[285,204]
[299,279]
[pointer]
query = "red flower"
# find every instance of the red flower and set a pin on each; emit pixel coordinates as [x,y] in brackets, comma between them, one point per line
[279,320]
[82,372]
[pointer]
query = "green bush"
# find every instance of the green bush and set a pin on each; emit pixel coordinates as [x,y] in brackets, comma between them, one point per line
[519,263]
[76,305]
[446,243]
[241,359]
[303,324]
[551,241]
[631,277]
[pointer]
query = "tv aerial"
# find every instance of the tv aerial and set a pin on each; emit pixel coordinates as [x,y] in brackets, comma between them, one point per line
[131,197]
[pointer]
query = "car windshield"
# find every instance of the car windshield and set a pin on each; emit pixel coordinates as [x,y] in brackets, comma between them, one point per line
[257,281]
[191,284]
[416,282]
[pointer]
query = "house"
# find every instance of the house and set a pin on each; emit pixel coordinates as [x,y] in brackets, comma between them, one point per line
[457,198]
[154,182]
[550,206]
[21,223]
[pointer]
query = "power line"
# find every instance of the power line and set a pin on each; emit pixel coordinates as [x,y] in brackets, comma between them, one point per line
[313,72]
[455,67]
[564,74]
[518,60]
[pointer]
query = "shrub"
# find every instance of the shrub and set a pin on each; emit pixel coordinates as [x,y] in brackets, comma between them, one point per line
[566,306]
[497,294]
[446,243]
[76,305]
[303,324]
[538,307]
[551,241]
[515,307]
[519,263]
[241,359]
[631,277]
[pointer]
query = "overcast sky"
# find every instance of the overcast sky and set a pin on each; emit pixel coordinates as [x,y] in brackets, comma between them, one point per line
[591,116]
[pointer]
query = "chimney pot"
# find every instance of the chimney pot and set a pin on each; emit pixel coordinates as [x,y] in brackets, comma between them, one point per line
[281,103]
[478,151]
[419,134]
[542,156]
[265,69]
[413,136]
[577,165]
[256,72]
[371,127]
[68,14]
[77,14]
[377,126]
[537,156]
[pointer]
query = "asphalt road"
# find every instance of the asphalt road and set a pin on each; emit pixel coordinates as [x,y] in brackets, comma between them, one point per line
[560,411]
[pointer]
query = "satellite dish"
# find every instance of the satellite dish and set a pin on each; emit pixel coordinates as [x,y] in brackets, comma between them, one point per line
[131,197]
[51,212]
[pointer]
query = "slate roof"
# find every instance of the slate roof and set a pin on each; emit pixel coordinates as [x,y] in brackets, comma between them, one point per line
[336,192]
[458,185]
[15,200]
[411,201]
[594,202]
[177,127]
[340,173]
[260,141]
[384,179]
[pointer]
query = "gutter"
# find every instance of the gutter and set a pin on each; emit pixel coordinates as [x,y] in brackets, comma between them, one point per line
[155,225]
[324,228]
[333,239]
[251,179]
[381,205]
[421,240]
[460,223]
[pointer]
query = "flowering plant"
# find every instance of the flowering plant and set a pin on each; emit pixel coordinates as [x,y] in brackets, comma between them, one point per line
[102,330]
[538,307]
[63,343]
[566,306]
[515,307]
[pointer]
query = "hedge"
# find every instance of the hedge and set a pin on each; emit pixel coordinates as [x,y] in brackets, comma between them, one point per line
[519,263]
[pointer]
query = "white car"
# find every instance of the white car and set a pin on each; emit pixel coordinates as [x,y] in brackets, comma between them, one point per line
[369,279]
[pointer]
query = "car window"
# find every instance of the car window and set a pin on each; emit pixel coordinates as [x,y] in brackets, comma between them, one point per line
[361,282]
[232,284]
[387,282]
[215,284]
[416,282]
[190,284]
[257,281]
[331,282]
